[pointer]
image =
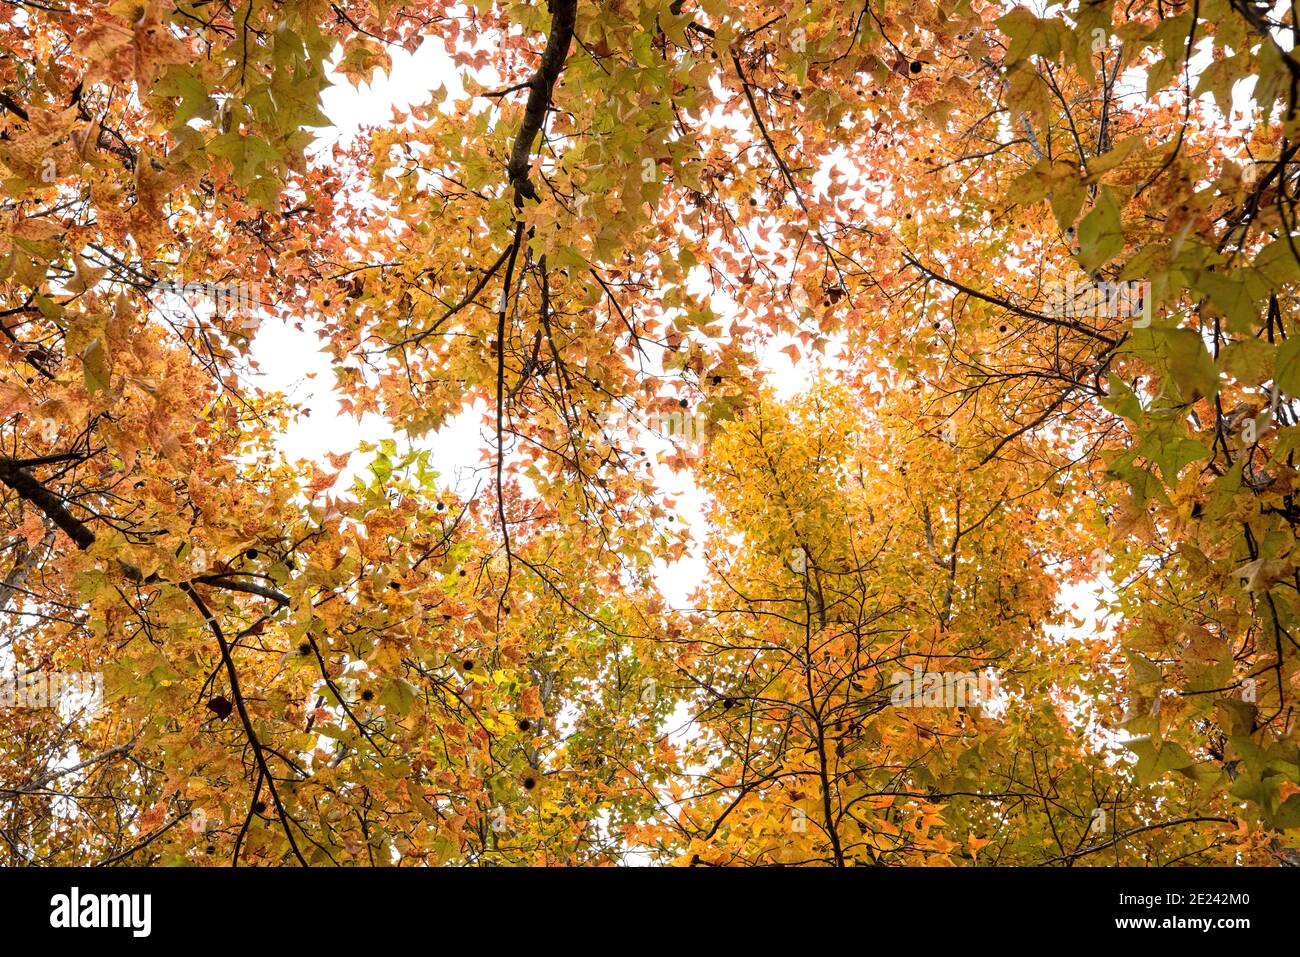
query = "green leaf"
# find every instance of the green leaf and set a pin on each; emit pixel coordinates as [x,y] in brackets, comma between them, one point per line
[1171,453]
[1101,237]
[1218,78]
[1278,263]
[1286,366]
[184,82]
[1231,297]
[95,365]
[1108,161]
[1156,759]
[1145,671]
[1144,483]
[1251,361]
[1235,716]
[398,696]
[1031,36]
[1122,400]
[1206,775]
[1187,362]
[1288,814]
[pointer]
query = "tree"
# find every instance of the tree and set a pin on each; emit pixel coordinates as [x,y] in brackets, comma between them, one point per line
[1051,320]
[848,568]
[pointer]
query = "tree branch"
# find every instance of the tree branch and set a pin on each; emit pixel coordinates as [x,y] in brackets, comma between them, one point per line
[563,17]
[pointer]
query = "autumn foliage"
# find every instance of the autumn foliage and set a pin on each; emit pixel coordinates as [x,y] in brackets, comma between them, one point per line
[1034,270]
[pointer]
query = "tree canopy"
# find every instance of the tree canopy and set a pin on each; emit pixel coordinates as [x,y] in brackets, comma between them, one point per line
[1036,270]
